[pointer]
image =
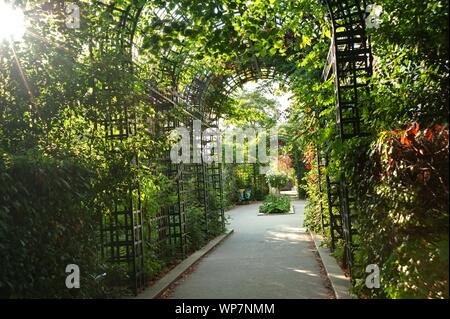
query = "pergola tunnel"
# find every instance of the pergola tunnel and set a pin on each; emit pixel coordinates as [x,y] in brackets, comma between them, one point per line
[98,96]
[351,53]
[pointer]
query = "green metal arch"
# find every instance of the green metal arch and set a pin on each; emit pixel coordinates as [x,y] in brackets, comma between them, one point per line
[350,61]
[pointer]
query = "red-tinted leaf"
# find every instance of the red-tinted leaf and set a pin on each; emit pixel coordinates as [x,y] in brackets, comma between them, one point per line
[405,140]
[413,130]
[438,128]
[429,134]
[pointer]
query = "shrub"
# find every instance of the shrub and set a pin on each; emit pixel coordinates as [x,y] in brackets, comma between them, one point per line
[275,205]
[277,180]
[404,217]
[195,228]
[46,223]
[313,213]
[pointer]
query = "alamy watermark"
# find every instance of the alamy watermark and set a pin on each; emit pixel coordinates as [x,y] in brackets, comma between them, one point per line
[72,11]
[373,279]
[373,20]
[224,146]
[73,277]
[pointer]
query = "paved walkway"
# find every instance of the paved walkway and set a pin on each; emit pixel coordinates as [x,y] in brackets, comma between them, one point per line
[266,257]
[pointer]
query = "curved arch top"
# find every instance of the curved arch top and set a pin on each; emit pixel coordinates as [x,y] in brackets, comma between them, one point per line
[347,18]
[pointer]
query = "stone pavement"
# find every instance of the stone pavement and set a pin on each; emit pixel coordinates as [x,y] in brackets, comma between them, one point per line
[266,257]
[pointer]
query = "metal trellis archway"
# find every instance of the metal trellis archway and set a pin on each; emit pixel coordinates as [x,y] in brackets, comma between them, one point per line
[349,60]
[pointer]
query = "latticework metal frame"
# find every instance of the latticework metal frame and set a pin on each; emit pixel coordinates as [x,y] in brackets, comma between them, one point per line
[349,61]
[168,227]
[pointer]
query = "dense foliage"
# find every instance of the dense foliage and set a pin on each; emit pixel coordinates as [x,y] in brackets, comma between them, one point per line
[275,204]
[46,223]
[407,212]
[399,179]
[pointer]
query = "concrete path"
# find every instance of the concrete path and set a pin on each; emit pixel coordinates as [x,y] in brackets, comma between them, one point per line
[266,257]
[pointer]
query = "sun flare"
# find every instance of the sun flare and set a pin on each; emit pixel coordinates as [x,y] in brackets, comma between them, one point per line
[12,22]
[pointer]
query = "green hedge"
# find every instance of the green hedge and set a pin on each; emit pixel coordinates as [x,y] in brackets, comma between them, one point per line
[47,222]
[405,213]
[403,210]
